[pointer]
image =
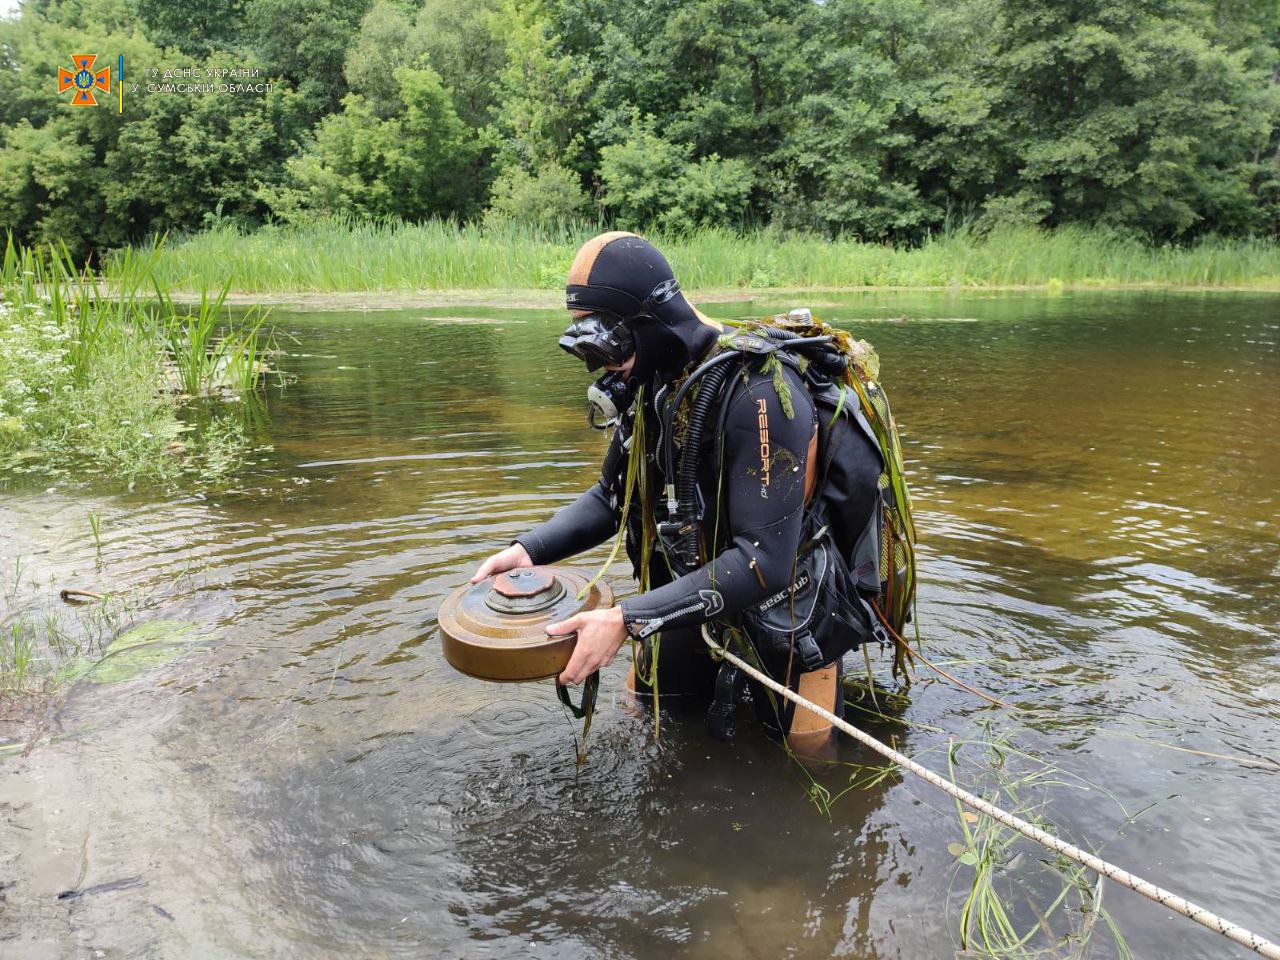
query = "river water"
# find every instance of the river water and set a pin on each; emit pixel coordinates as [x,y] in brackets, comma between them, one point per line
[1097,487]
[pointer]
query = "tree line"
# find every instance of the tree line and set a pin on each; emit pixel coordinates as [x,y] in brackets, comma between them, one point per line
[885,120]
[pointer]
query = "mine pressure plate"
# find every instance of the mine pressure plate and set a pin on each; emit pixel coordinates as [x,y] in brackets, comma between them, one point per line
[496,629]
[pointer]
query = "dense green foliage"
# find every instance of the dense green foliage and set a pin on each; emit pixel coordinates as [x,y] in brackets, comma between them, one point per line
[873,119]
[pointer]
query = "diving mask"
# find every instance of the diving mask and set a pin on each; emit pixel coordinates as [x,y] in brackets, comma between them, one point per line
[598,339]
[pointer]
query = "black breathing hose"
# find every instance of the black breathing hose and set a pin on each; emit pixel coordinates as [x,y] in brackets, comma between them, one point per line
[830,363]
[687,478]
[674,405]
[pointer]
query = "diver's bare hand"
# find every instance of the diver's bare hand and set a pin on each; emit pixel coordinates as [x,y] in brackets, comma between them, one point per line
[600,636]
[502,561]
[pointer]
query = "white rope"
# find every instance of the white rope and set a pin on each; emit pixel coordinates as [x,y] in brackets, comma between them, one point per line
[1109,870]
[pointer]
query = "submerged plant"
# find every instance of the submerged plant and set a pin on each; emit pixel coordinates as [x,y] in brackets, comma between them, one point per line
[36,644]
[988,924]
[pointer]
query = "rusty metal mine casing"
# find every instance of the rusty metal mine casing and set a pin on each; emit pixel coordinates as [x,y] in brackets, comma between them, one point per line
[496,629]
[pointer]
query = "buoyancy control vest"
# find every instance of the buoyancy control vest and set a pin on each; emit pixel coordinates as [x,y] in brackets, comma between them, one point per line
[854,576]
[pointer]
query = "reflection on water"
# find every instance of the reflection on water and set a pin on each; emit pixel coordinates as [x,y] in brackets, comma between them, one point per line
[1096,484]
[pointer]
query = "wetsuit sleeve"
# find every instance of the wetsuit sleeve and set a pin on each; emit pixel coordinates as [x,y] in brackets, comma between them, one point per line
[585,523]
[764,476]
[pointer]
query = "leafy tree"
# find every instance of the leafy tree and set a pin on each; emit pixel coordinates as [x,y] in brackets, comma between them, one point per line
[1126,114]
[885,119]
[51,188]
[383,44]
[543,95]
[306,44]
[95,178]
[720,77]
[195,28]
[650,180]
[463,41]
[233,150]
[554,195]
[417,164]
[849,155]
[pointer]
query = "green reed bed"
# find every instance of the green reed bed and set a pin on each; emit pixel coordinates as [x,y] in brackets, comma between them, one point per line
[102,376]
[339,256]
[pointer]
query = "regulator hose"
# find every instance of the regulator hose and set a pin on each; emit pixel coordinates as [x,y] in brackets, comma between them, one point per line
[771,333]
[831,363]
[687,477]
[674,405]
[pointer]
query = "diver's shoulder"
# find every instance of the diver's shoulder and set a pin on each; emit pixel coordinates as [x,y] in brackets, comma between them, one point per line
[755,381]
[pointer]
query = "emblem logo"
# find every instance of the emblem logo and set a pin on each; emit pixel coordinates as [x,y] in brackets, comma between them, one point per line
[712,602]
[84,80]
[664,291]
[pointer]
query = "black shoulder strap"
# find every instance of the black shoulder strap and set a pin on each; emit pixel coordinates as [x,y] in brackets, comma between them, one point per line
[828,438]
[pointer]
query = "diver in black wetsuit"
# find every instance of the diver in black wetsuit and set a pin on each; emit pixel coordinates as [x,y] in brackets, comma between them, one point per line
[629,316]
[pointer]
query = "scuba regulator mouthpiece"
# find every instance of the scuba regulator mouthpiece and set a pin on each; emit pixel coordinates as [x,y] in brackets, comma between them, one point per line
[608,399]
[598,339]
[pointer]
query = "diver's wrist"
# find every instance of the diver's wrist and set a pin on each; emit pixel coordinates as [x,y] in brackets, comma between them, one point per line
[526,541]
[632,624]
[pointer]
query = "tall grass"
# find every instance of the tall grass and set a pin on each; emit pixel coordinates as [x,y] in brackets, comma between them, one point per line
[340,256]
[98,371]
[209,357]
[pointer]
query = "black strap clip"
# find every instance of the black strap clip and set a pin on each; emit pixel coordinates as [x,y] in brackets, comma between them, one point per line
[590,689]
[722,712]
[806,647]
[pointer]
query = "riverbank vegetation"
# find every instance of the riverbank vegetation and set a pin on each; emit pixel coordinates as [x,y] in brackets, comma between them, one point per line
[102,376]
[868,120]
[335,256]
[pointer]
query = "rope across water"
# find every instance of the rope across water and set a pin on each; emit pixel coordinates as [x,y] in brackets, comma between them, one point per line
[1123,877]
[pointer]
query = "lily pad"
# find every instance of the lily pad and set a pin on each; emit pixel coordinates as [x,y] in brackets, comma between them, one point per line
[962,853]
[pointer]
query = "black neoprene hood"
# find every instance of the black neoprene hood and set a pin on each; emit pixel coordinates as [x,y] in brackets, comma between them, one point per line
[628,277]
